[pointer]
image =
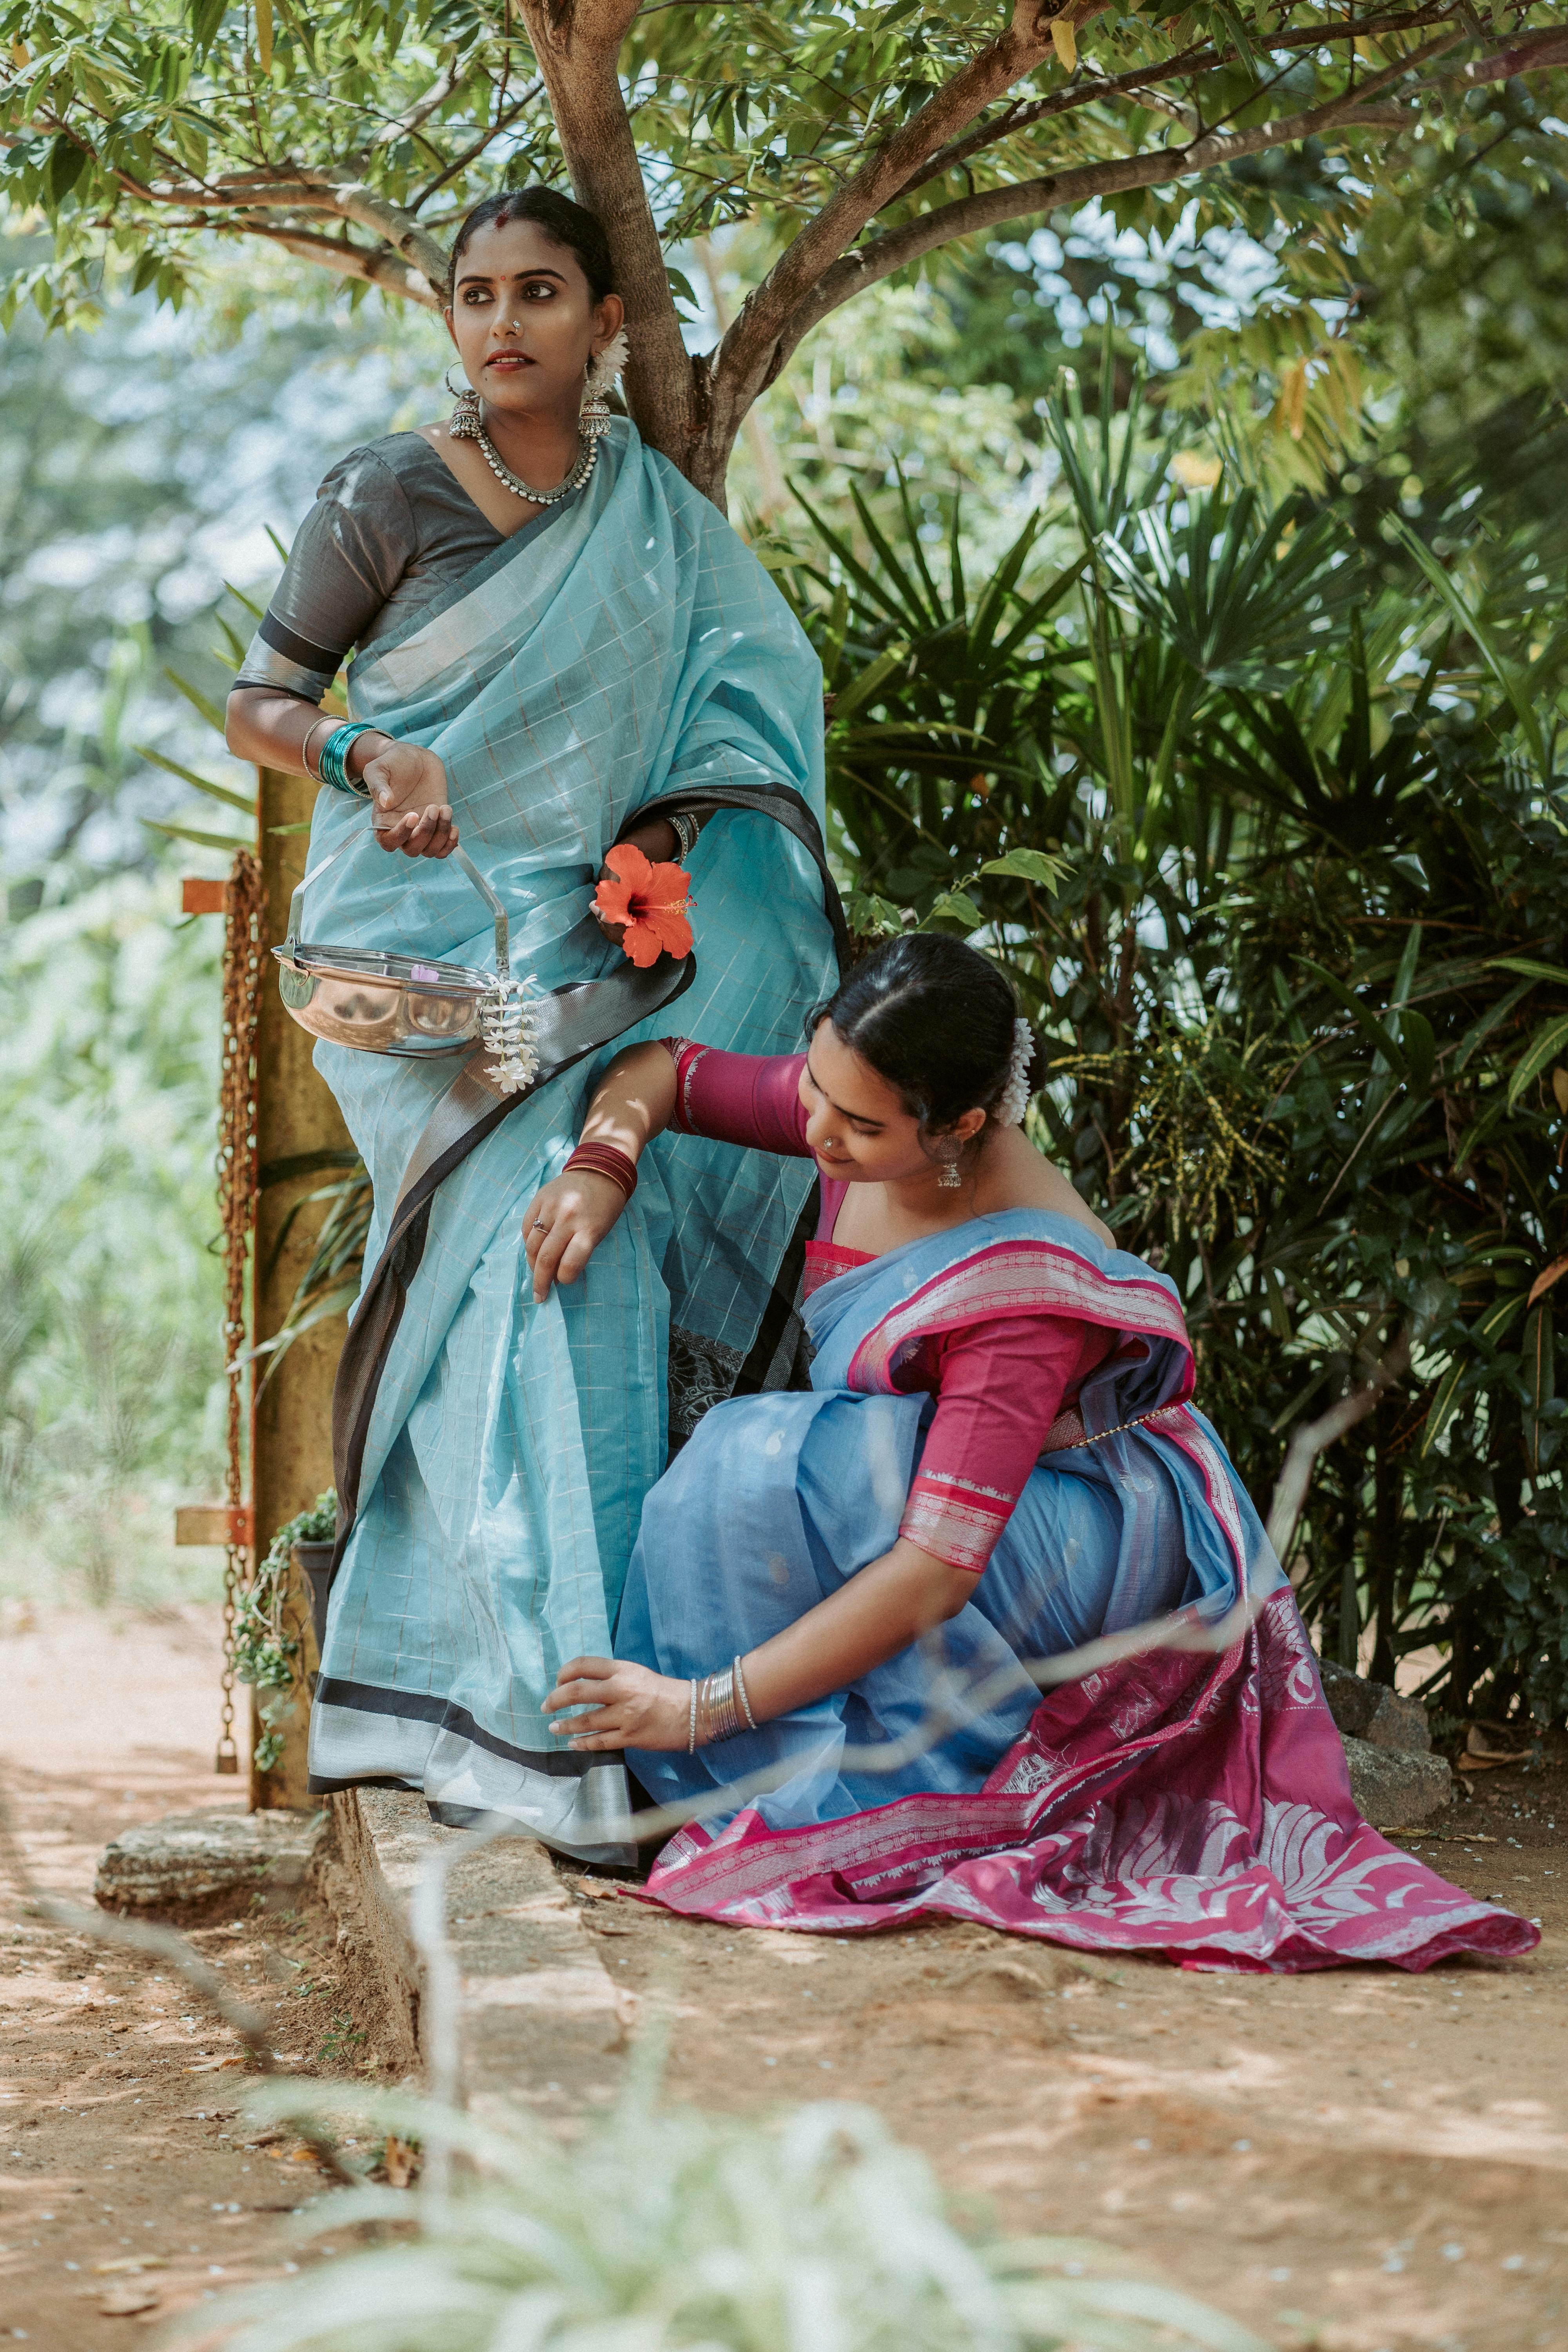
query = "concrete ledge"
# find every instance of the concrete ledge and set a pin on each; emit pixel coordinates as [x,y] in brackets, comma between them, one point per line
[542,2023]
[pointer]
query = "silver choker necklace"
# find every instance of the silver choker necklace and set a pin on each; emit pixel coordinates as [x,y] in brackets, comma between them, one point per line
[587,459]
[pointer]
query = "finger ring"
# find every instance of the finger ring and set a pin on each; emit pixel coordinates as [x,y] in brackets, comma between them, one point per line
[539,1227]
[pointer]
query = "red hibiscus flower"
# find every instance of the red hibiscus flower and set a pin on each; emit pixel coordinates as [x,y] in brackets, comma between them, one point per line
[651,900]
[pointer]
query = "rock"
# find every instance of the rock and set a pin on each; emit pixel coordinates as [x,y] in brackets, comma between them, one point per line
[1371,1711]
[1396,1788]
[192,1858]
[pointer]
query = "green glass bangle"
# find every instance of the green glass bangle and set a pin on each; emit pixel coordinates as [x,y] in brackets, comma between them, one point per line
[332,757]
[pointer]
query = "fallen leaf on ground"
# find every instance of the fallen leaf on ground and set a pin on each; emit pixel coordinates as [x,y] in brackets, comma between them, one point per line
[400,2162]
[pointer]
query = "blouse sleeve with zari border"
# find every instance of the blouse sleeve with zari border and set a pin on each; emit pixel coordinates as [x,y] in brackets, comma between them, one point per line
[999,1387]
[751,1099]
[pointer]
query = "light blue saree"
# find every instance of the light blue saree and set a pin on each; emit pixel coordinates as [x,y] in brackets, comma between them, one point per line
[622,648]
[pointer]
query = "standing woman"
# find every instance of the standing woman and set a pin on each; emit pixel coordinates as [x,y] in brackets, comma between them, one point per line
[561,646]
[846,1602]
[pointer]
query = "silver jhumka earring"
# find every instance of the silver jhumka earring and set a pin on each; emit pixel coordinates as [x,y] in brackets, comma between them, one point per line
[949,1180]
[593,417]
[464,423]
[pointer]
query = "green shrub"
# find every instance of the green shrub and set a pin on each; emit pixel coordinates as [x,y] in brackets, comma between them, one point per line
[1301,960]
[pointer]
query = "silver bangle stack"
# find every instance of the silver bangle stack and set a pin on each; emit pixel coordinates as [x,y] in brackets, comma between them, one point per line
[720,1708]
[686,830]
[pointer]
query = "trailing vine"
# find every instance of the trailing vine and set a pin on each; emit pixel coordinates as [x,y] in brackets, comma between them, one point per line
[264,1653]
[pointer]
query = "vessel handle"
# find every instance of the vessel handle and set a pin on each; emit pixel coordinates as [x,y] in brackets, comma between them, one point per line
[502,928]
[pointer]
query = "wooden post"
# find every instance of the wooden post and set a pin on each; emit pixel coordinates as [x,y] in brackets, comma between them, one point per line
[296,1117]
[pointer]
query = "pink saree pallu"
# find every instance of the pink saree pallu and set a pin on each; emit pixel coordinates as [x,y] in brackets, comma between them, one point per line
[1186,1799]
[1198,1809]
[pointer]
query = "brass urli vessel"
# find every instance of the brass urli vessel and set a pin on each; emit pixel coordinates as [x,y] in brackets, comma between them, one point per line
[383,1003]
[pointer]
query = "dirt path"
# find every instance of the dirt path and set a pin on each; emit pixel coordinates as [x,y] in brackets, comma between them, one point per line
[128,2186]
[1360,2161]
[1355,2160]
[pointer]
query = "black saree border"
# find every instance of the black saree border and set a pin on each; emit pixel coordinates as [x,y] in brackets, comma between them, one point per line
[415,1707]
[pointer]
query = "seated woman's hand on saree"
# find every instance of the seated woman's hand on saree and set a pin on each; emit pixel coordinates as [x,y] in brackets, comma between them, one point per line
[564,1223]
[408,796]
[632,1707]
[892,1603]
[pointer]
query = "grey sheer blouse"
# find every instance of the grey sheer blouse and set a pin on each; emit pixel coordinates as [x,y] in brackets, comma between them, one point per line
[391,530]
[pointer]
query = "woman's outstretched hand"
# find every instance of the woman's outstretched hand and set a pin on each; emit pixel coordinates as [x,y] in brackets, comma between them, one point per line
[633,1706]
[563,1224]
[410,809]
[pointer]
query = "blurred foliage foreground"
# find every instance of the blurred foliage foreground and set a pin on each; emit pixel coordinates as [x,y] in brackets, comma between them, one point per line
[1305,976]
[659,2228]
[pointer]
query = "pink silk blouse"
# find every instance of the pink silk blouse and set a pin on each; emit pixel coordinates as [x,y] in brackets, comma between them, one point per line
[999,1385]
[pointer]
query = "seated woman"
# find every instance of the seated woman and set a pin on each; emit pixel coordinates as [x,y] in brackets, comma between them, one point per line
[995,1483]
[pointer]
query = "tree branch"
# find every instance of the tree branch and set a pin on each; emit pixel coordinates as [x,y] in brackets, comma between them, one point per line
[745,360]
[1310,1438]
[505,117]
[1155,167]
[374,266]
[423,275]
[355,200]
[1535,56]
[1138,83]
[439,91]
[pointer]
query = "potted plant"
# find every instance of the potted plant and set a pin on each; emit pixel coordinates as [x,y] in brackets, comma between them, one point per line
[264,1653]
[312,1540]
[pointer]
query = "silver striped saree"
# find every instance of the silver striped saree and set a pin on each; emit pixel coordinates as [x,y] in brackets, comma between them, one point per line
[624,651]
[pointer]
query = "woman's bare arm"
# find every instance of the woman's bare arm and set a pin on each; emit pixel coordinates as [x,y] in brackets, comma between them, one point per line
[406,784]
[873,1616]
[564,1223]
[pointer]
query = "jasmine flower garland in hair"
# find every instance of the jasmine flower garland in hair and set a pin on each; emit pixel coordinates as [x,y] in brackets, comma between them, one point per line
[1015,1099]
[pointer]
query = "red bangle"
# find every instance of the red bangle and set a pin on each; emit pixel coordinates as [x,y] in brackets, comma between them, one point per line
[607,1159]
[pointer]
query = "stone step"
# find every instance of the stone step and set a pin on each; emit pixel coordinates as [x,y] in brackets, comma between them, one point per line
[192,1860]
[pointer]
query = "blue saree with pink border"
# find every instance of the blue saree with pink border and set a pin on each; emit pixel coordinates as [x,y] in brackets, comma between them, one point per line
[1180,1785]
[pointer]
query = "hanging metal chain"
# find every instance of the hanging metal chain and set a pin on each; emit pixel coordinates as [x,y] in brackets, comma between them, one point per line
[243,947]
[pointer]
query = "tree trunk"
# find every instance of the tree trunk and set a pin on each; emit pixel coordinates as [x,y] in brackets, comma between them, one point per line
[292,1459]
[705,460]
[577,44]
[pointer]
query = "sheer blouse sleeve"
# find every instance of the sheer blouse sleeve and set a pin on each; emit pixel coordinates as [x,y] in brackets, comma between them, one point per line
[747,1098]
[349,554]
[999,1387]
